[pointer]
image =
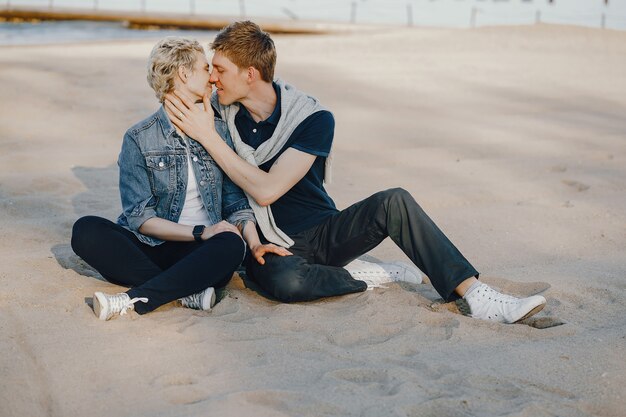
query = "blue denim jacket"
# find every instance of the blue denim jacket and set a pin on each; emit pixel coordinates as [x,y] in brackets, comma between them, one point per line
[153,177]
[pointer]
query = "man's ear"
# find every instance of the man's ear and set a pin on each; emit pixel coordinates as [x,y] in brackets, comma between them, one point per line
[253,74]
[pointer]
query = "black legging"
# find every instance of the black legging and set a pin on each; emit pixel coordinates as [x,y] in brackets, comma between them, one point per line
[162,273]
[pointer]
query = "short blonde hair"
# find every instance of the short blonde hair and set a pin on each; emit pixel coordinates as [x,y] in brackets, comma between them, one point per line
[247,45]
[166,57]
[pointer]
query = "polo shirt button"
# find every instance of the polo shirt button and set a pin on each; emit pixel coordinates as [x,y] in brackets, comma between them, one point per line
[202,183]
[195,159]
[253,130]
[161,164]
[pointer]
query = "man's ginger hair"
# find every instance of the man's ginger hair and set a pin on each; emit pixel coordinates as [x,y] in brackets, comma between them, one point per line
[246,45]
[166,57]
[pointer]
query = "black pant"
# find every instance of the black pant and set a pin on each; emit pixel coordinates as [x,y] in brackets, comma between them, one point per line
[162,273]
[316,271]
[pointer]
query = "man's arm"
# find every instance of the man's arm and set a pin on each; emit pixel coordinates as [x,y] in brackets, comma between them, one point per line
[257,249]
[264,187]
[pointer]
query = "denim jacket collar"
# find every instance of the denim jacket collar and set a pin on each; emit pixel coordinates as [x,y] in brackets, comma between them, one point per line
[154,170]
[164,120]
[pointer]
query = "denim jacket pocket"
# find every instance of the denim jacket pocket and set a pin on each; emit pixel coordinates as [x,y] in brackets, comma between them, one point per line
[162,172]
[211,169]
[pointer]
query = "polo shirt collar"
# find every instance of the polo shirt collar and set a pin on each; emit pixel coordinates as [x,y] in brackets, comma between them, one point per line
[274,117]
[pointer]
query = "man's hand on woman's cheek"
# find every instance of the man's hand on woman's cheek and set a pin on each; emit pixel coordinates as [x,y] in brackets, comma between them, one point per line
[196,122]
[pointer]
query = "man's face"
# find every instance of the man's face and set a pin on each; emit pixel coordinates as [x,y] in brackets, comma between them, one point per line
[230,81]
[198,79]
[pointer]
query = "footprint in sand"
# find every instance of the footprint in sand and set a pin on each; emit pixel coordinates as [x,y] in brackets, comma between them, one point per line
[374,335]
[378,379]
[181,388]
[439,328]
[361,375]
[447,406]
[578,186]
[279,403]
[175,380]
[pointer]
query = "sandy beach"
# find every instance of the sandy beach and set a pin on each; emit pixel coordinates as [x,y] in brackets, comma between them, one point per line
[513,139]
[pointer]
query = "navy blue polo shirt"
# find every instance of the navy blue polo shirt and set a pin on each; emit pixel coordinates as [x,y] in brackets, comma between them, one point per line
[307,203]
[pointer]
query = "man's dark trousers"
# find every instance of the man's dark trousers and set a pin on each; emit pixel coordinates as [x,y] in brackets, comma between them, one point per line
[319,253]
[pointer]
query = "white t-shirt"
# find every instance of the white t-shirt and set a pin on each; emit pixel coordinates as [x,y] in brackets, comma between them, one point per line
[193,212]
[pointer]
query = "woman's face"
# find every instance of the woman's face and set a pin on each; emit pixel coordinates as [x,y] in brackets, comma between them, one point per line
[197,82]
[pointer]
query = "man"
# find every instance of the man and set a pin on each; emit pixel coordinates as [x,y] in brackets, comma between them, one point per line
[283,140]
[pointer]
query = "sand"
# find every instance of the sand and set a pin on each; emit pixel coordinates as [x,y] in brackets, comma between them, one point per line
[513,139]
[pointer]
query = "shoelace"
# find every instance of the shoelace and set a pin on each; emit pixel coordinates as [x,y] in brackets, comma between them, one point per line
[193,300]
[367,272]
[118,302]
[487,292]
[131,303]
[377,272]
[384,272]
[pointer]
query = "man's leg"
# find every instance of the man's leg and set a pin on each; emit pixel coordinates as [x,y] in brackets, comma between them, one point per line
[354,231]
[295,278]
[393,213]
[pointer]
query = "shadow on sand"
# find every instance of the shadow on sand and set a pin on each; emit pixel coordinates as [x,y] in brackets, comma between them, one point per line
[100,198]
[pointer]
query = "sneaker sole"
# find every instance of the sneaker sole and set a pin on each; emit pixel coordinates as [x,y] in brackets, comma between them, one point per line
[211,301]
[97,304]
[532,312]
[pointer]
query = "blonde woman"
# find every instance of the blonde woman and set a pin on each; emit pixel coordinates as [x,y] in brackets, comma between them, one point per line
[171,240]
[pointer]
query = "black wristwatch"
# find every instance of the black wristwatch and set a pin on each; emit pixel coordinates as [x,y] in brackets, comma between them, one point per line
[197,232]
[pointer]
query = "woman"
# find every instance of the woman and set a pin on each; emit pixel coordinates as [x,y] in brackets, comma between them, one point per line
[171,241]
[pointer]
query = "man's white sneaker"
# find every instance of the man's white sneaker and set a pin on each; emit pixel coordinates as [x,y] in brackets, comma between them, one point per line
[106,306]
[488,304]
[203,300]
[377,274]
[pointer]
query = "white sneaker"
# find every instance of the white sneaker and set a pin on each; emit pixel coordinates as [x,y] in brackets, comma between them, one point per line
[488,304]
[377,274]
[106,306]
[203,300]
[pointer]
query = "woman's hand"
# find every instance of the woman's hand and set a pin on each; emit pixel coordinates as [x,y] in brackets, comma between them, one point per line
[220,227]
[197,123]
[260,250]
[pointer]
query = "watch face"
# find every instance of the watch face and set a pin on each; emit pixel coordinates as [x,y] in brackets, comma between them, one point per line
[197,231]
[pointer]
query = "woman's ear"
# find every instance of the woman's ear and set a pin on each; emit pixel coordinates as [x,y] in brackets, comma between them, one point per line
[182,74]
